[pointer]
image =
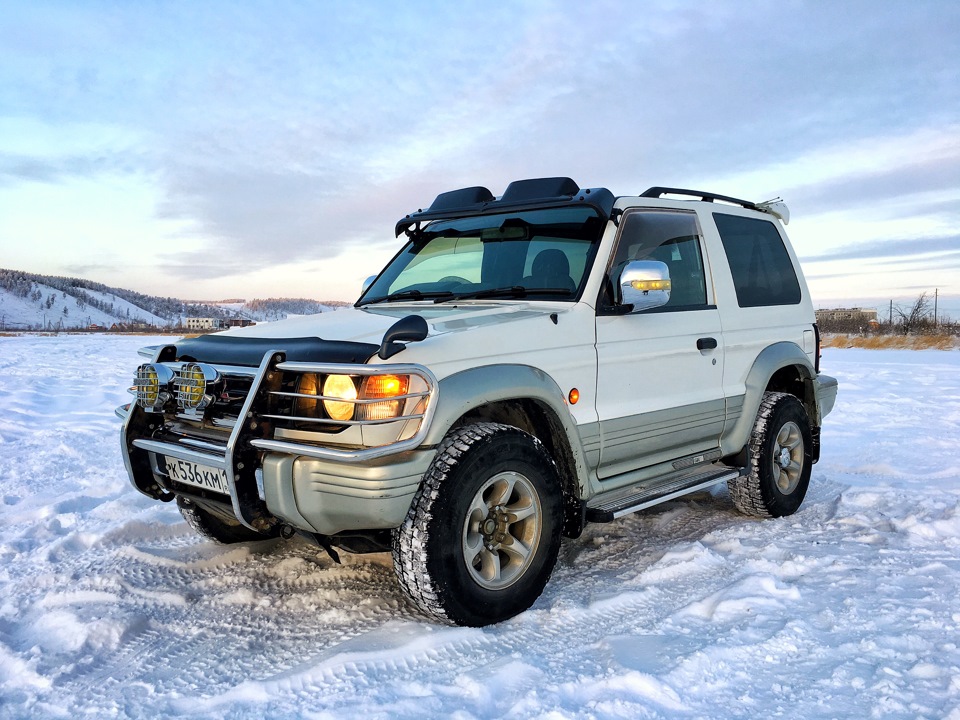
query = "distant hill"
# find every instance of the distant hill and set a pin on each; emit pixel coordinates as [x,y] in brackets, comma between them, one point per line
[29,301]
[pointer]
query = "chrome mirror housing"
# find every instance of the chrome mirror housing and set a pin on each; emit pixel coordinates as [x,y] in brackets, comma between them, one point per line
[645,284]
[367,283]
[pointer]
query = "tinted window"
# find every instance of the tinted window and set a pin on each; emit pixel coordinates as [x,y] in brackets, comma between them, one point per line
[672,238]
[761,268]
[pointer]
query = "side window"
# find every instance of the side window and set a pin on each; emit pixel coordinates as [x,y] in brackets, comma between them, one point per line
[762,271]
[673,238]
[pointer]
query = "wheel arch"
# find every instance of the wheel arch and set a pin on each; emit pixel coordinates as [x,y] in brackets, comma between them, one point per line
[781,367]
[528,399]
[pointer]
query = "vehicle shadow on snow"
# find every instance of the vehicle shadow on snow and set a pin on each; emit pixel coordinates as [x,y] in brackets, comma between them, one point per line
[607,558]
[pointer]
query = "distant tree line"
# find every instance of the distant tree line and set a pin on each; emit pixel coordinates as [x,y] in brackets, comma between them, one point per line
[276,308]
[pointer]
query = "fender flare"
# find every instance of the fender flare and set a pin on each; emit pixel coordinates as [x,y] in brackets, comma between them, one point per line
[771,359]
[470,389]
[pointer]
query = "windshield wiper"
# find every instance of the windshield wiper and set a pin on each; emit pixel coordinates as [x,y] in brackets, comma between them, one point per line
[514,291]
[409,295]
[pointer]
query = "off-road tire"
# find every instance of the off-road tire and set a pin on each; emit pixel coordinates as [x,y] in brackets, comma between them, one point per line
[213,528]
[780,459]
[446,544]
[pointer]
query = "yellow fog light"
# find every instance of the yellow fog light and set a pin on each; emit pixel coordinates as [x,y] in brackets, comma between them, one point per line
[339,386]
[152,383]
[383,386]
[192,383]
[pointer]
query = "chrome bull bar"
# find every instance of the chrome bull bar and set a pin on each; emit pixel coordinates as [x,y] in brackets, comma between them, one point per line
[238,457]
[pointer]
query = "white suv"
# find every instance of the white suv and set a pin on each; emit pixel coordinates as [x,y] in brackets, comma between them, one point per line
[524,365]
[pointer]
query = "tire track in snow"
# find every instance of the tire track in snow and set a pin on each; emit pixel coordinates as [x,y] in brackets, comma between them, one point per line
[542,636]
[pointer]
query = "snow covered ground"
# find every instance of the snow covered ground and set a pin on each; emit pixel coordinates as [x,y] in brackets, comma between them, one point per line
[110,606]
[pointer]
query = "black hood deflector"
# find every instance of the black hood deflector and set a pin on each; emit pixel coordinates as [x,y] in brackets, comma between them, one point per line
[249,351]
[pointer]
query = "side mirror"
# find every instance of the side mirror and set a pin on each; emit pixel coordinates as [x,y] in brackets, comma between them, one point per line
[645,284]
[367,283]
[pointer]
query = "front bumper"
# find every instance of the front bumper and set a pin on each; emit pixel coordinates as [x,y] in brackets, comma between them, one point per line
[328,498]
[317,488]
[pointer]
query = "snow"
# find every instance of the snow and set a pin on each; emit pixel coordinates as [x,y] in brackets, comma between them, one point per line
[111,607]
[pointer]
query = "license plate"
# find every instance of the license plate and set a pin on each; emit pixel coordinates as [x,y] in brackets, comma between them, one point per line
[199,476]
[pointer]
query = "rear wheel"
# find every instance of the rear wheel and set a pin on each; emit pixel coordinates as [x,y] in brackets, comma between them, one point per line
[780,459]
[482,535]
[213,527]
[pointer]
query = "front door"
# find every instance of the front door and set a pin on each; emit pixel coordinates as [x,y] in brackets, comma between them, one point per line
[660,376]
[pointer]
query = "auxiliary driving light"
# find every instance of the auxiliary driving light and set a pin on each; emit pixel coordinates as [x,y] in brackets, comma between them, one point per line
[192,383]
[152,384]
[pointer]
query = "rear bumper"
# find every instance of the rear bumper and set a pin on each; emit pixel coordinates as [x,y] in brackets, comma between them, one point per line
[826,388]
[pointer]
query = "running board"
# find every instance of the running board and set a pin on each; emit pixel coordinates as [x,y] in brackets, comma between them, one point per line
[618,503]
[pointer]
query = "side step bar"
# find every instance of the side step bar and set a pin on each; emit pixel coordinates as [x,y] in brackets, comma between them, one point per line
[618,503]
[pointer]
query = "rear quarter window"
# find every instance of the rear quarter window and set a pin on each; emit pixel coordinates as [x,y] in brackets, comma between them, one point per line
[762,271]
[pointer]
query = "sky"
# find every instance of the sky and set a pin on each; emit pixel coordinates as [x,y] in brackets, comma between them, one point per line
[222,150]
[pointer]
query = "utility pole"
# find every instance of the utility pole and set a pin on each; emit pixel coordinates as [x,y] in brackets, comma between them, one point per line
[891,313]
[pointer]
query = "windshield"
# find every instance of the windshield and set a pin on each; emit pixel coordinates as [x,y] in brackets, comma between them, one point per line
[535,253]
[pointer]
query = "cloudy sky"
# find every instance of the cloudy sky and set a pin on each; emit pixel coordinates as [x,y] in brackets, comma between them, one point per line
[224,149]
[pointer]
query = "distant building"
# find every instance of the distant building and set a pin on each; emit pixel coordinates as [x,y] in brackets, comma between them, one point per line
[237,322]
[203,323]
[859,315]
[130,327]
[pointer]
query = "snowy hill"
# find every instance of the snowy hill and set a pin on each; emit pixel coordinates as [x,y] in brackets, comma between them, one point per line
[42,302]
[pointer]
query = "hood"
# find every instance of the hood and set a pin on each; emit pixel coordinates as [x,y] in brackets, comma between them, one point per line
[353,334]
[368,324]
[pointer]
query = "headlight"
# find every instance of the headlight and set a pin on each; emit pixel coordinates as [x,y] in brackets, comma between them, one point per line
[348,398]
[152,383]
[383,386]
[194,385]
[307,384]
[339,386]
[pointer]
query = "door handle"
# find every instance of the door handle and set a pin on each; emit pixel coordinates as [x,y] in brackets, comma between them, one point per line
[706,343]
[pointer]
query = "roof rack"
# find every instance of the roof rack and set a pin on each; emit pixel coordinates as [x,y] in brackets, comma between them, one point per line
[530,194]
[656,192]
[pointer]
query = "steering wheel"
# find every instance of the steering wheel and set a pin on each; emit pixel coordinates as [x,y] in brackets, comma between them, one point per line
[455,278]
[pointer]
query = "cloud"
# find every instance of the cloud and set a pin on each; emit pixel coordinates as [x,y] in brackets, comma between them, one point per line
[32,168]
[293,136]
[913,248]
[937,175]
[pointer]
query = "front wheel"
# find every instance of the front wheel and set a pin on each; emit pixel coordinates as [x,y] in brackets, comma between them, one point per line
[780,459]
[483,532]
